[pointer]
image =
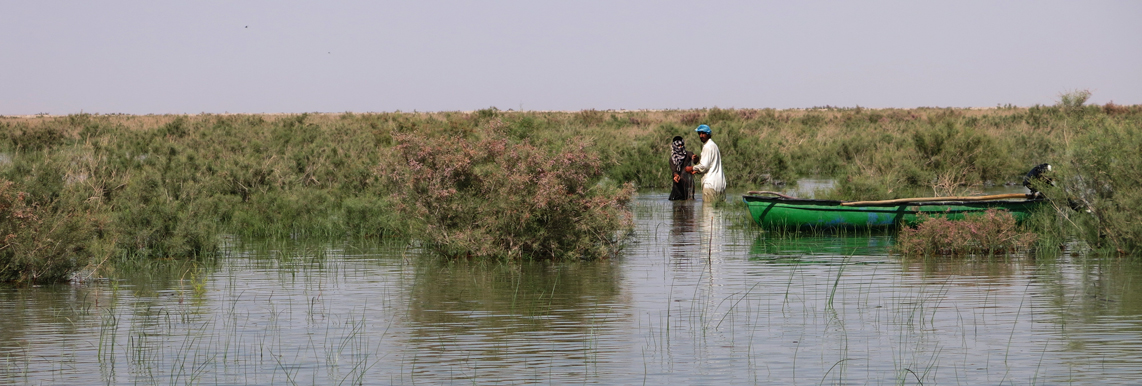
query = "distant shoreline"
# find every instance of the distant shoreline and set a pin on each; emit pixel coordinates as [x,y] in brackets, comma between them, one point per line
[822,108]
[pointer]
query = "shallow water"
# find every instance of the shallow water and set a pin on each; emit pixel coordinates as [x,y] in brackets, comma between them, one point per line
[700,297]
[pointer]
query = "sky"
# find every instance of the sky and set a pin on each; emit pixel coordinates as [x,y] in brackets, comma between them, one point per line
[148,57]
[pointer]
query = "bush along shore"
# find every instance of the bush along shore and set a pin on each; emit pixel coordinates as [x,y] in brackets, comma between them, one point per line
[81,190]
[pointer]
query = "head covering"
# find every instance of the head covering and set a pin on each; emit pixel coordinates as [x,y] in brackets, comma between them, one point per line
[677,151]
[704,129]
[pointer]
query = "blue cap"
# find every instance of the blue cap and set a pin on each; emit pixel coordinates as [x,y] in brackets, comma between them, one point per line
[704,129]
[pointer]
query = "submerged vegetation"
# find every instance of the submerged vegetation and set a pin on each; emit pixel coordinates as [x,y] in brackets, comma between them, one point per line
[85,188]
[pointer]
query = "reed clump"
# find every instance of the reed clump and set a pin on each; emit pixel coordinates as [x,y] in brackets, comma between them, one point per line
[993,232]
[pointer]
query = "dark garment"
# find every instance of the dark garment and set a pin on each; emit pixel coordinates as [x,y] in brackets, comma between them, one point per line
[1037,175]
[684,188]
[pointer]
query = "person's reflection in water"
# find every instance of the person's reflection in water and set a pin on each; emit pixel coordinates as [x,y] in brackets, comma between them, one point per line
[683,231]
[712,232]
[686,239]
[697,232]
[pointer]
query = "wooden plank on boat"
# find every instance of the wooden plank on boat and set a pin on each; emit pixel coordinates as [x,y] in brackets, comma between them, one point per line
[921,199]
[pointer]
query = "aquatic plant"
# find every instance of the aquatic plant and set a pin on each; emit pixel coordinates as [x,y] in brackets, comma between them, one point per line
[993,232]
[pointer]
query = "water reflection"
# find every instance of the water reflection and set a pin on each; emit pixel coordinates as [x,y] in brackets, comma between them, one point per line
[768,245]
[470,320]
[683,227]
[33,314]
[683,224]
[1081,314]
[713,231]
[965,270]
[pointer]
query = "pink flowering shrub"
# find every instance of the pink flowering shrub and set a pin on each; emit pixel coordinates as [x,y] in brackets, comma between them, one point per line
[993,232]
[495,198]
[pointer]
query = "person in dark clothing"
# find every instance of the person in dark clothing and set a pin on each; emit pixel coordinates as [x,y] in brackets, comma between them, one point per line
[679,159]
[1038,176]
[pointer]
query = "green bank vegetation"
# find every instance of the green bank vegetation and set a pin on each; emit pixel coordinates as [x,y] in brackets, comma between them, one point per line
[84,189]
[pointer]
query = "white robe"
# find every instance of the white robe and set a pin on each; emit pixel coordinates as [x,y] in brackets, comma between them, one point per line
[711,166]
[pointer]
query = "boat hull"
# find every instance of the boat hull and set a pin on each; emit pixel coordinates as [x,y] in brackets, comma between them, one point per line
[782,212]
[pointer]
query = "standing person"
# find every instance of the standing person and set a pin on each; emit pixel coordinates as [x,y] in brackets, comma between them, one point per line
[714,182]
[680,159]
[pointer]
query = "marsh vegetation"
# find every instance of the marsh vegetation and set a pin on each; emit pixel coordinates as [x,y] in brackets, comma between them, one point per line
[84,189]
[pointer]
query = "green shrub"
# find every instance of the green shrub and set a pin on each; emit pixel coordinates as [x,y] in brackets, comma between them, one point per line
[38,137]
[750,159]
[1102,177]
[1073,99]
[36,244]
[371,216]
[959,153]
[154,219]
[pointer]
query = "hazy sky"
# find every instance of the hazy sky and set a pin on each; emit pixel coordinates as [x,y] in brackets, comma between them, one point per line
[62,57]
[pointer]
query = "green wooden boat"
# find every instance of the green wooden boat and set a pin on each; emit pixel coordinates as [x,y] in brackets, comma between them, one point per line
[775,210]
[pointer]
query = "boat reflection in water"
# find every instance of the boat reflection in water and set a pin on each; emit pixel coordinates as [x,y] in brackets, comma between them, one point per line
[823,245]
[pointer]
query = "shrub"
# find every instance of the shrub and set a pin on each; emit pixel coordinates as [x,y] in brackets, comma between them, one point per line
[993,232]
[1073,99]
[491,198]
[152,219]
[960,152]
[38,137]
[716,115]
[692,118]
[36,244]
[590,117]
[1102,177]
[1112,109]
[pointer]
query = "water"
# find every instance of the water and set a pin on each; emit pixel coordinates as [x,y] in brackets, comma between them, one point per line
[700,297]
